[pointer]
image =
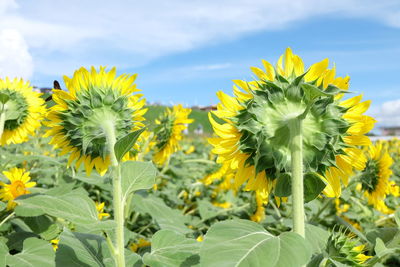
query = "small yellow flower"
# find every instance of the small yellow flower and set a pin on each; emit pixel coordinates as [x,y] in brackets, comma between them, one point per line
[261,199]
[54,243]
[224,205]
[200,238]
[190,150]
[19,182]
[100,209]
[141,243]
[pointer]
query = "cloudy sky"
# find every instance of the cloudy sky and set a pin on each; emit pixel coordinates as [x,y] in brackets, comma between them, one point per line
[184,51]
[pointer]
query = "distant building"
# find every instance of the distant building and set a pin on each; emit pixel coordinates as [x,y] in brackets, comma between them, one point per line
[391,131]
[206,108]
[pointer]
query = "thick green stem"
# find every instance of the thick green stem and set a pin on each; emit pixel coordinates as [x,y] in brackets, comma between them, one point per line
[296,148]
[2,123]
[119,252]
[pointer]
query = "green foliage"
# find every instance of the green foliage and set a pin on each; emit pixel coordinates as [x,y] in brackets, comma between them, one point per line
[244,243]
[124,144]
[35,253]
[170,249]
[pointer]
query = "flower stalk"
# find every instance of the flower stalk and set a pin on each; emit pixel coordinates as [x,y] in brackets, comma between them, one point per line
[2,121]
[296,148]
[119,253]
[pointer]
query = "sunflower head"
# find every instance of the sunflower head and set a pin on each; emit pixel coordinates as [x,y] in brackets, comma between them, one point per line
[255,133]
[19,182]
[168,132]
[375,177]
[22,110]
[94,99]
[343,247]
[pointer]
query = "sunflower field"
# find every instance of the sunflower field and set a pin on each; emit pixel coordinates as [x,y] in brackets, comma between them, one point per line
[287,177]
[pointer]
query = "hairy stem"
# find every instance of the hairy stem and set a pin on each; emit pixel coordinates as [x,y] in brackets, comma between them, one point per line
[296,148]
[119,252]
[2,123]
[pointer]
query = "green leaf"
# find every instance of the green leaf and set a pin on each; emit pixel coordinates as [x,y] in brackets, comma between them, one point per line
[312,91]
[397,217]
[244,243]
[125,144]
[132,259]
[313,186]
[4,98]
[166,218]
[78,249]
[43,226]
[75,207]
[170,249]
[2,206]
[317,238]
[3,253]
[136,175]
[283,186]
[207,210]
[36,252]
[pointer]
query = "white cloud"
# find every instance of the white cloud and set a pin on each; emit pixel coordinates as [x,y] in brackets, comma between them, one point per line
[387,114]
[85,31]
[15,60]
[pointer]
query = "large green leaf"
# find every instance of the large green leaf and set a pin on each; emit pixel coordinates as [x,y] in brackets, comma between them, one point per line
[170,249]
[36,252]
[126,143]
[283,186]
[78,249]
[317,238]
[3,253]
[244,243]
[165,217]
[75,207]
[136,175]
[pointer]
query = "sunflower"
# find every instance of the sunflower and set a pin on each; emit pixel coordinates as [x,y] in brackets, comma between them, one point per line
[253,125]
[21,111]
[168,132]
[375,177]
[94,100]
[344,247]
[18,186]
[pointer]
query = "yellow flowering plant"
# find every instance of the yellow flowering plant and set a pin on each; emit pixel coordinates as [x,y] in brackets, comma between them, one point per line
[290,126]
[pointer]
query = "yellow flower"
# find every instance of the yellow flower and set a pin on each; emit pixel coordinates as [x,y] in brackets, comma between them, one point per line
[200,238]
[341,208]
[23,111]
[19,182]
[190,150]
[225,205]
[94,99]
[375,177]
[168,132]
[253,140]
[54,243]
[141,243]
[261,199]
[394,189]
[100,210]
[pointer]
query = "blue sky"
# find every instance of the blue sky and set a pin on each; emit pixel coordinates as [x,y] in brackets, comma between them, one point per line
[185,51]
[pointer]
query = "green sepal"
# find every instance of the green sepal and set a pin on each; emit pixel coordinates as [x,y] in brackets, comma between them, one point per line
[4,98]
[313,186]
[125,144]
[283,187]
